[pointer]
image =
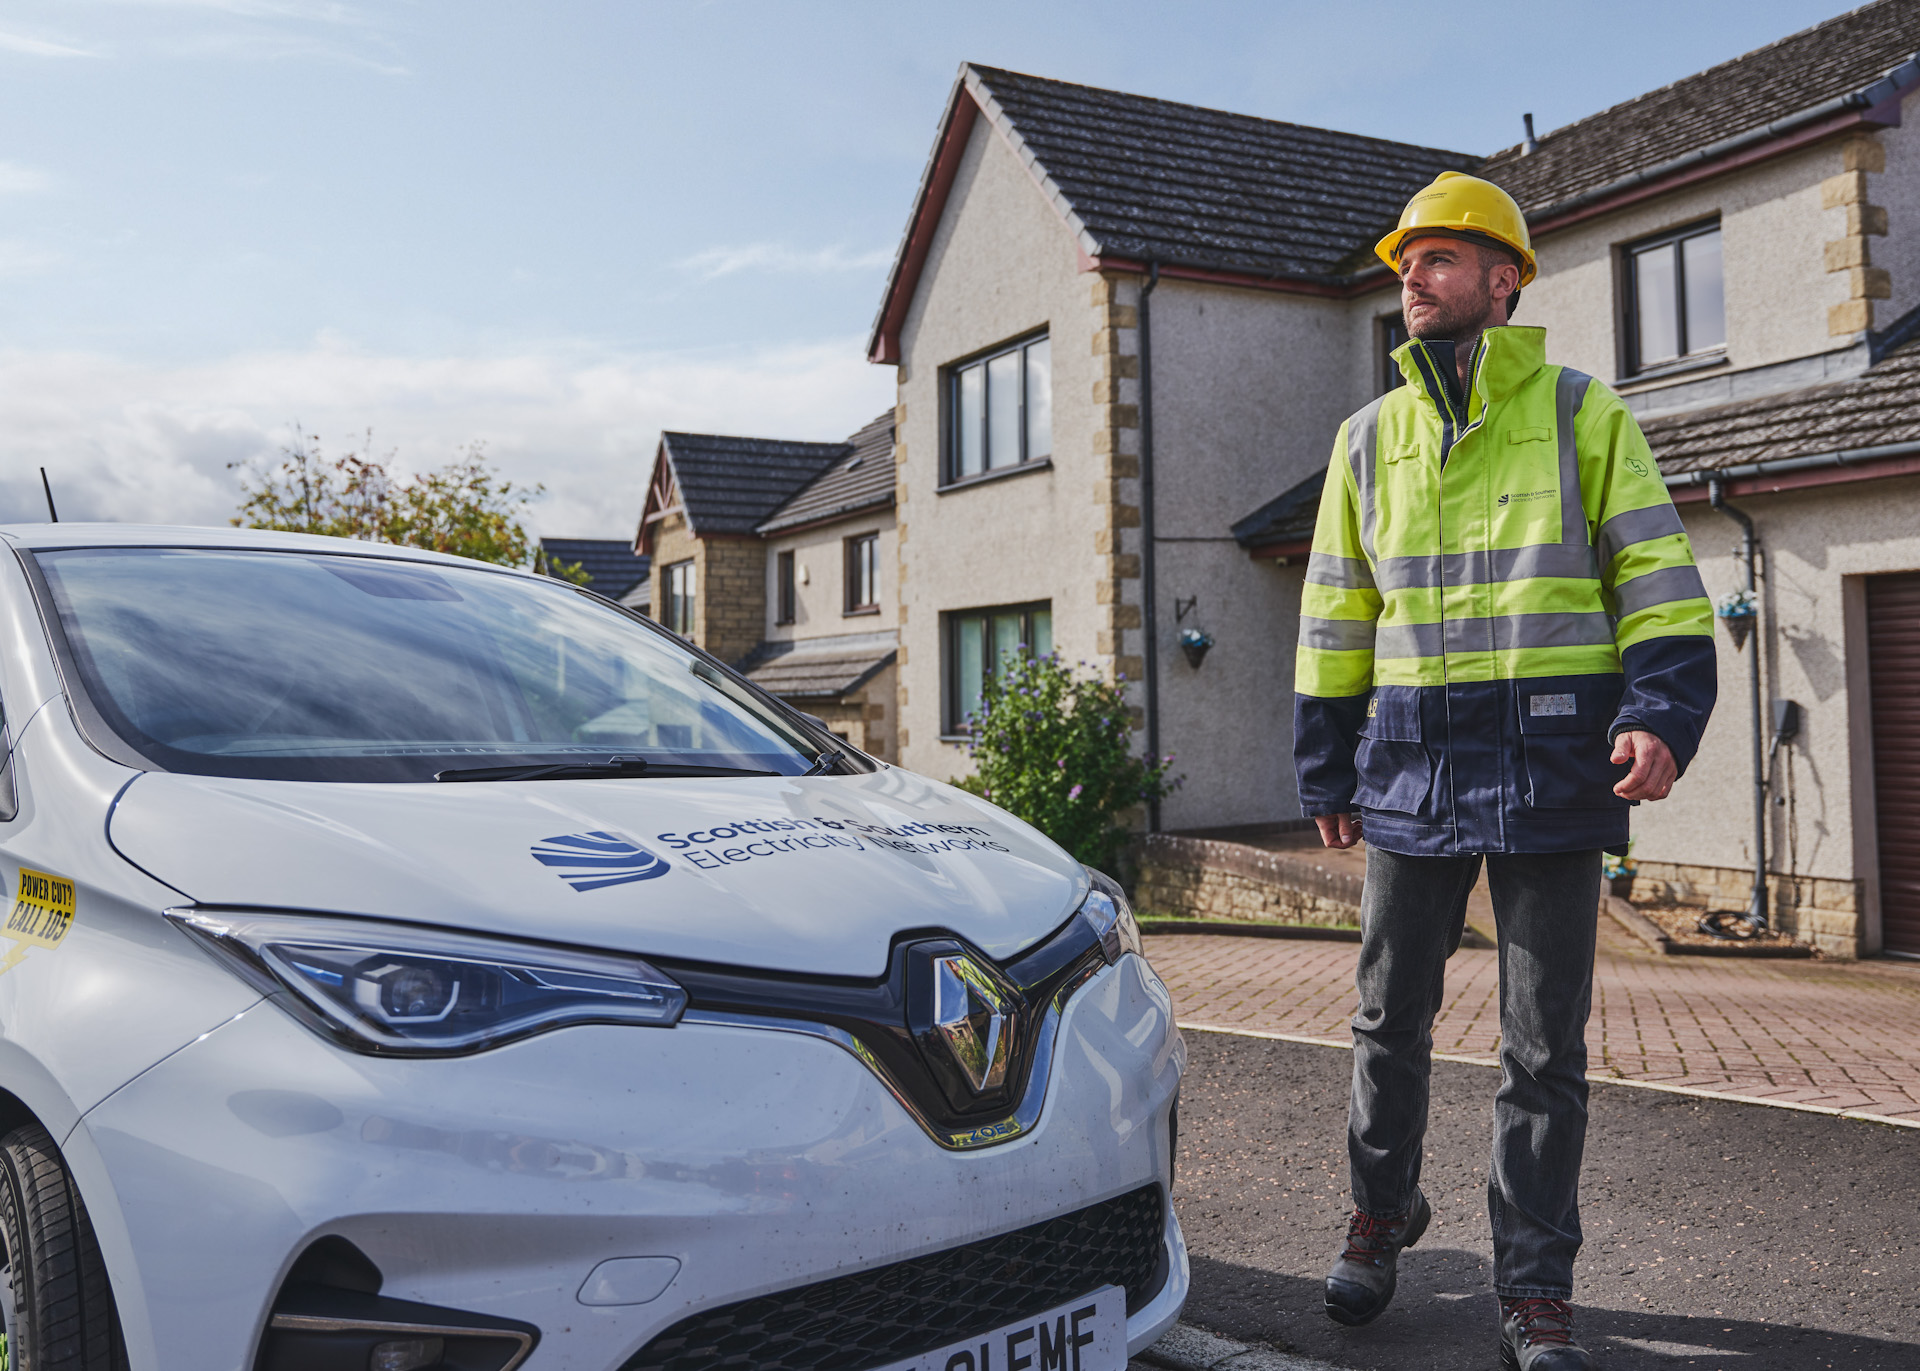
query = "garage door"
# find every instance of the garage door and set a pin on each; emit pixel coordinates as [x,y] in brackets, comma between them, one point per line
[1893,657]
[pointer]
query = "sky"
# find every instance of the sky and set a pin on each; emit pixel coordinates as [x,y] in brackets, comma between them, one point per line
[556,227]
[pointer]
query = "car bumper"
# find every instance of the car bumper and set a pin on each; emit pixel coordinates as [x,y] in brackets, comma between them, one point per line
[497,1183]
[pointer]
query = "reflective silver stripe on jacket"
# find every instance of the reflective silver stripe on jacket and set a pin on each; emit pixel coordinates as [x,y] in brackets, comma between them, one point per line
[1637,526]
[1569,393]
[1487,566]
[1659,588]
[1494,633]
[1337,635]
[1363,438]
[1342,573]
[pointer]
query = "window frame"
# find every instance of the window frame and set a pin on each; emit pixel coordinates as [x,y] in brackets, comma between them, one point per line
[786,595]
[852,548]
[1628,295]
[1389,332]
[951,417]
[952,718]
[673,575]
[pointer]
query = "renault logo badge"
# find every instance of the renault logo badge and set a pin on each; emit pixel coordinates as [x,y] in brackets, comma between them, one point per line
[970,1016]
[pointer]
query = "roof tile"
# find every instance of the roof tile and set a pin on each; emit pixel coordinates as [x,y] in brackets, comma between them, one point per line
[1880,406]
[1841,57]
[611,564]
[864,480]
[730,485]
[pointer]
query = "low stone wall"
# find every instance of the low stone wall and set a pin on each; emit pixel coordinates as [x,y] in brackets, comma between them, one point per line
[1204,878]
[1812,909]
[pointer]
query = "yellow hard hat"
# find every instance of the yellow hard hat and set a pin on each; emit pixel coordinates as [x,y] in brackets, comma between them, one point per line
[1463,205]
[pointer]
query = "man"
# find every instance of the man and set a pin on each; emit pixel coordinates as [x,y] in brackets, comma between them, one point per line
[1504,643]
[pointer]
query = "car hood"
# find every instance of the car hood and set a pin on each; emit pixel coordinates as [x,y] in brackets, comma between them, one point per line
[812,875]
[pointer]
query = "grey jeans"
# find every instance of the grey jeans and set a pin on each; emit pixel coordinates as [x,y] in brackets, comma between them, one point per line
[1411,913]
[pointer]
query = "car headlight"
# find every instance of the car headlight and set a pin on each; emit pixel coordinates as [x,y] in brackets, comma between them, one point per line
[1107,909]
[396,989]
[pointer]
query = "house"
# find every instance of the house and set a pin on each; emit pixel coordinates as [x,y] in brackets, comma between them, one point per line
[610,565]
[1126,330]
[778,557]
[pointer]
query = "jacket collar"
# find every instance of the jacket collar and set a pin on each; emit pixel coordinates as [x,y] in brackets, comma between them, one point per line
[1504,358]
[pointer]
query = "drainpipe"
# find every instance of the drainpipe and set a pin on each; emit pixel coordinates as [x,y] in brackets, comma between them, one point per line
[1756,916]
[1149,624]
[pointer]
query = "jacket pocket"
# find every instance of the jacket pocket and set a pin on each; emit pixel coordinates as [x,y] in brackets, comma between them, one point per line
[1564,737]
[1391,765]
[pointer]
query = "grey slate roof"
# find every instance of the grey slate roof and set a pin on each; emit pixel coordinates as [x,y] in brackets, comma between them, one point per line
[730,485]
[862,480]
[1286,519]
[1152,179]
[820,668]
[1843,56]
[1880,406]
[611,563]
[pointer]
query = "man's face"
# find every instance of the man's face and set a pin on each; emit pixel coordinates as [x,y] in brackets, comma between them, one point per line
[1448,286]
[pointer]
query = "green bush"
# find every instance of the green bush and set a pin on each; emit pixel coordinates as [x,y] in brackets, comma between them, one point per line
[1055,749]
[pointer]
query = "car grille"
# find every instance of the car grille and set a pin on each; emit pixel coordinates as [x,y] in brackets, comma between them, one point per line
[890,1313]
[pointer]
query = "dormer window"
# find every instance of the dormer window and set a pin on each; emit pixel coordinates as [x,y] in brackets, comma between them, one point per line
[1675,301]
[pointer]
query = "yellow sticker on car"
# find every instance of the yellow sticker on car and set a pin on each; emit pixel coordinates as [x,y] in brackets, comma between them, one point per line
[42,914]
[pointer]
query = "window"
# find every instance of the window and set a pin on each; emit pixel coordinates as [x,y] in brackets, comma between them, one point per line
[979,640]
[783,593]
[1393,332]
[1675,299]
[1001,409]
[679,598]
[863,574]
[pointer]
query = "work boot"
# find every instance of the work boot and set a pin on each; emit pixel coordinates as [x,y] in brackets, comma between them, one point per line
[1537,1335]
[1363,1276]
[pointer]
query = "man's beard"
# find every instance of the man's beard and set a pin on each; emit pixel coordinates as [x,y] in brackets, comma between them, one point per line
[1454,323]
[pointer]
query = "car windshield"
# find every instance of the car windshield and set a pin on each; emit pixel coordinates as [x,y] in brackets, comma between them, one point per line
[312,667]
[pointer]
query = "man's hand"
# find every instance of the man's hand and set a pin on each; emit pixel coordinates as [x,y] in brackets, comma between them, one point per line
[1653,774]
[1338,830]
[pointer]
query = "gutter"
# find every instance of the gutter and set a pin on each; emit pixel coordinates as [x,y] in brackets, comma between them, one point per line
[832,516]
[1793,473]
[1842,111]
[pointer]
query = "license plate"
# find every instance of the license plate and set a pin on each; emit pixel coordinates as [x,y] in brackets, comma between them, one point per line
[1087,1334]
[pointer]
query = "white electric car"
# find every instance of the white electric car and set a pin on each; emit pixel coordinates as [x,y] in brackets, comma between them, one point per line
[416,964]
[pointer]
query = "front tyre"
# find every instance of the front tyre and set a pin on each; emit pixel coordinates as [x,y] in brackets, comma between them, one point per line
[59,1313]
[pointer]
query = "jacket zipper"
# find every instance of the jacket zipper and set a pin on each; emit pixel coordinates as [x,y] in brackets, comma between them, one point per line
[1448,437]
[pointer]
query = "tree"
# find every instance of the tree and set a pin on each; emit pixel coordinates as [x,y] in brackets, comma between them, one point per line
[463,508]
[1056,750]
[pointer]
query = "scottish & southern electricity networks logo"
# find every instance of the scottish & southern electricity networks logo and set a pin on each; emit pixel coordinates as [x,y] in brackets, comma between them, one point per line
[593,861]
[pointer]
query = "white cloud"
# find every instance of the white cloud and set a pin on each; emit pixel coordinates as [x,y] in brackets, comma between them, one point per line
[18,180]
[150,443]
[716,262]
[39,47]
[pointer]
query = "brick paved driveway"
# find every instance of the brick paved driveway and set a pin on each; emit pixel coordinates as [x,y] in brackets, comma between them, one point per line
[1837,1037]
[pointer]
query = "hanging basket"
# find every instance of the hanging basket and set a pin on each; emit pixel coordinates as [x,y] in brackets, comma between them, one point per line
[1195,645]
[1739,628]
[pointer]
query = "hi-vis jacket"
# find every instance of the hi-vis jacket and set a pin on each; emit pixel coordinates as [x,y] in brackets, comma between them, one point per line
[1497,588]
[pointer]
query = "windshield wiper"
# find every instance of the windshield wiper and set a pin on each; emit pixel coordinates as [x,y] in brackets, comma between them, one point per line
[825,763]
[575,771]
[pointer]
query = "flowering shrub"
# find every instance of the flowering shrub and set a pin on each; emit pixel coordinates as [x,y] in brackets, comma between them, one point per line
[1613,867]
[1056,750]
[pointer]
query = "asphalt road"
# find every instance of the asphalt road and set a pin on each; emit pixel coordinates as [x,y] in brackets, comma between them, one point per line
[1717,1234]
